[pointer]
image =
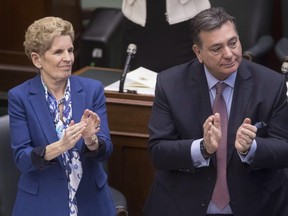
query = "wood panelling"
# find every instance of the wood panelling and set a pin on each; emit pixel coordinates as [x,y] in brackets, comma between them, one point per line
[15,17]
[130,170]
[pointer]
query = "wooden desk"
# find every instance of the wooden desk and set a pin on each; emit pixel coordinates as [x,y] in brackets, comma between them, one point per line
[129,167]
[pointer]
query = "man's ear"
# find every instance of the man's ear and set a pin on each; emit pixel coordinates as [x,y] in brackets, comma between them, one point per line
[197,52]
[36,60]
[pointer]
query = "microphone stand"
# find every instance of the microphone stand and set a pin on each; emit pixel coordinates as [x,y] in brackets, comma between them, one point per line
[131,50]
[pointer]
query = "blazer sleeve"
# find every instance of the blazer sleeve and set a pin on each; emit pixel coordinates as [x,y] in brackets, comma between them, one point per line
[167,150]
[272,142]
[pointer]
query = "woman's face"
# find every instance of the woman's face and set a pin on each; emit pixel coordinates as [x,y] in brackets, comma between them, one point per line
[56,63]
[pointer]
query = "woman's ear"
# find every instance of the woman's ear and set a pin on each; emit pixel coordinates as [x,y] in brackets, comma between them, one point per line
[36,60]
[197,52]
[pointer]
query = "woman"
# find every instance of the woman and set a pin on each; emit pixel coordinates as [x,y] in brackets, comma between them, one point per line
[58,144]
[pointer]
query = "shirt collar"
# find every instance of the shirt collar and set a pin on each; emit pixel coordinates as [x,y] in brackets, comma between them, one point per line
[212,81]
[67,88]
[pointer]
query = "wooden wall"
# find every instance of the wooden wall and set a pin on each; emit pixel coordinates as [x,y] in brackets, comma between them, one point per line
[15,17]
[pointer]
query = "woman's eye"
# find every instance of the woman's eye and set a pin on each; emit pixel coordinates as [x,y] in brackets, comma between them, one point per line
[58,52]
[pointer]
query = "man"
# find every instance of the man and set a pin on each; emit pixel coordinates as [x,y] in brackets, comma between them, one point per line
[189,130]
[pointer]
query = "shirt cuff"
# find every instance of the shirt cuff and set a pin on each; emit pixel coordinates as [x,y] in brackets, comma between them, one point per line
[100,151]
[37,156]
[249,158]
[197,157]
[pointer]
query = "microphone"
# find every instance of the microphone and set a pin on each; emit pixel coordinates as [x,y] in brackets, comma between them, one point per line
[284,69]
[131,50]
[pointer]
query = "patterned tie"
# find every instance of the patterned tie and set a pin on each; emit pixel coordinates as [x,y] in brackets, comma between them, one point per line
[220,195]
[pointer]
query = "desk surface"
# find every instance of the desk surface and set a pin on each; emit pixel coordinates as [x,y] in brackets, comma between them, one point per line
[106,75]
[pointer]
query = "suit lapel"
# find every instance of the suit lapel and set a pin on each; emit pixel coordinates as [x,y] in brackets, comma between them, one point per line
[200,94]
[242,95]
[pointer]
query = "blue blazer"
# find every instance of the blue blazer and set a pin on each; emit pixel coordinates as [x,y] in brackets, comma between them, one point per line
[42,190]
[181,106]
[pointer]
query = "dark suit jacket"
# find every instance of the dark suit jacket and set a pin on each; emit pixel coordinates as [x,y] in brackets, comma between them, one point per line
[42,190]
[181,106]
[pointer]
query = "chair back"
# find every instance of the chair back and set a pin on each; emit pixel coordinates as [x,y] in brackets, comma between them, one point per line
[9,174]
[253,18]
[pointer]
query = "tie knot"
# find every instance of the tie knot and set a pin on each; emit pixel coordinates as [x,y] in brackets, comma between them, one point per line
[220,86]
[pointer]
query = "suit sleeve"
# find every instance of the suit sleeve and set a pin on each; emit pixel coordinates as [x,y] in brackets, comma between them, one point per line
[167,150]
[272,142]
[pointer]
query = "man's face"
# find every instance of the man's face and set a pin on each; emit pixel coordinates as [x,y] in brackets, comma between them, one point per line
[221,51]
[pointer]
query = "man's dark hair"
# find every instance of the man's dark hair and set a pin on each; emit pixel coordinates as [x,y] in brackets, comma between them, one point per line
[208,20]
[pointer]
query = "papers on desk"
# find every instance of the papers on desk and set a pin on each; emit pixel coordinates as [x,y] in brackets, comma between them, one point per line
[140,81]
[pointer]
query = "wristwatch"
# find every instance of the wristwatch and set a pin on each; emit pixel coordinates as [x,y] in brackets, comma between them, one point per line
[203,150]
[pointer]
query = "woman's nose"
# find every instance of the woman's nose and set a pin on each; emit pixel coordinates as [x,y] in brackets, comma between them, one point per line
[67,56]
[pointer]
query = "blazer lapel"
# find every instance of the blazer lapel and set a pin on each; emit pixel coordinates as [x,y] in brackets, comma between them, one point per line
[78,104]
[200,94]
[242,95]
[41,110]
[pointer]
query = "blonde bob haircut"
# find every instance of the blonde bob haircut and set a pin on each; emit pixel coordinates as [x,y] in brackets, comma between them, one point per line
[40,34]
